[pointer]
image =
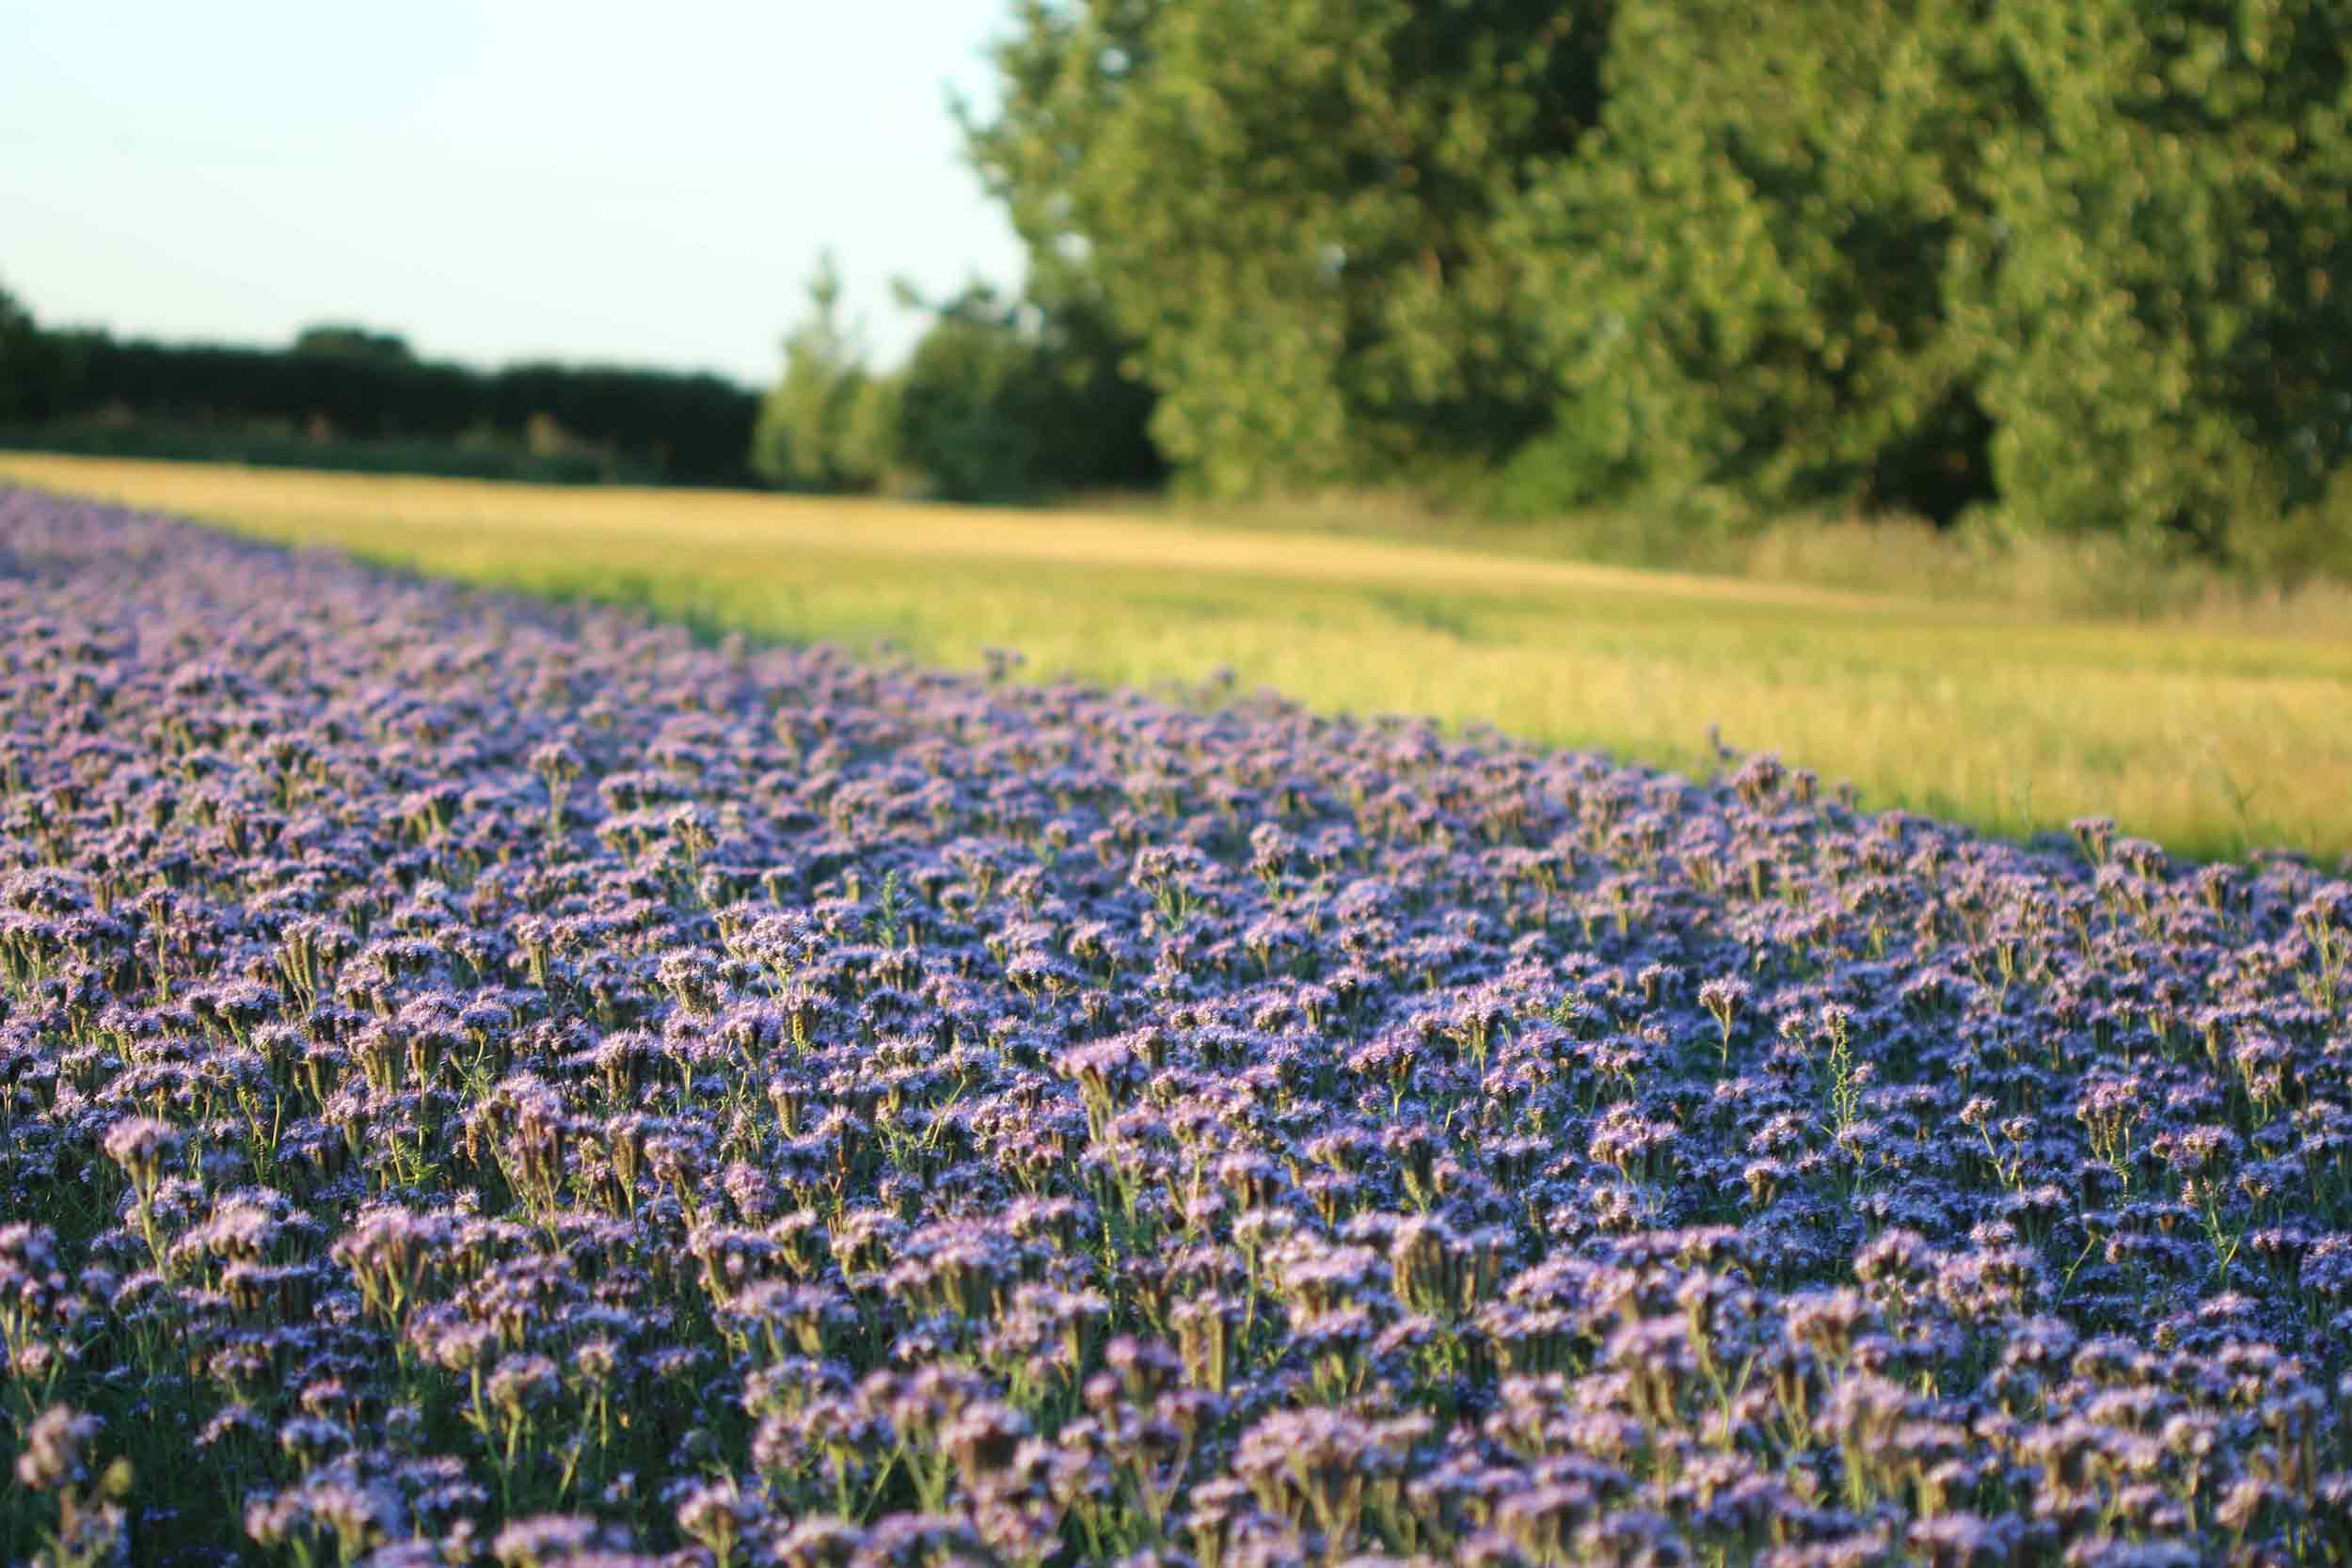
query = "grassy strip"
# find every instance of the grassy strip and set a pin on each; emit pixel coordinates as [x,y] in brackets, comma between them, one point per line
[2212,738]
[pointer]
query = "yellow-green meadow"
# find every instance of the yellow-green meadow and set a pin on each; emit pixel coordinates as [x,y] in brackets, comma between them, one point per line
[2213,740]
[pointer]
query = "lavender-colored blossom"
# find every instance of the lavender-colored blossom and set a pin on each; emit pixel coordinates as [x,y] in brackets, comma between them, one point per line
[521,1086]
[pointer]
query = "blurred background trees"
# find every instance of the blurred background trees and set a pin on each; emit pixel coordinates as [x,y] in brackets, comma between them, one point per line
[826,423]
[32,366]
[2158,332]
[1293,212]
[1011,400]
[351,397]
[2052,266]
[1002,400]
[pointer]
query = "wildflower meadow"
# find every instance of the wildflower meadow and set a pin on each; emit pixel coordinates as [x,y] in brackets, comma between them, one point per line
[487,1082]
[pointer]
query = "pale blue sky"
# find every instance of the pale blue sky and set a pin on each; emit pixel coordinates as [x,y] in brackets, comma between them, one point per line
[645,183]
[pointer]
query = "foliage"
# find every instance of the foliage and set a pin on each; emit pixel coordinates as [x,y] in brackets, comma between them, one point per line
[1747,291]
[2160,323]
[1291,209]
[473,455]
[828,422]
[29,364]
[2079,256]
[1011,400]
[350,389]
[353,342]
[2071,267]
[971,417]
[17,336]
[685,426]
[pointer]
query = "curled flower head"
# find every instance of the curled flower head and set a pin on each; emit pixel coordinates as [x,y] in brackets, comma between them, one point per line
[142,1145]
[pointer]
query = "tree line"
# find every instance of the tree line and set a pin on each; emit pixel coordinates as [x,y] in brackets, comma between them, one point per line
[2068,267]
[1002,400]
[347,392]
[2060,267]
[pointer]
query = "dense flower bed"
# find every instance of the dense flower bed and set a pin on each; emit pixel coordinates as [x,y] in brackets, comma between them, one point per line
[489,1083]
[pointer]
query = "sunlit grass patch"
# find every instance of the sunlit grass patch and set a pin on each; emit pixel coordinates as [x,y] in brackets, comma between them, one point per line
[2211,739]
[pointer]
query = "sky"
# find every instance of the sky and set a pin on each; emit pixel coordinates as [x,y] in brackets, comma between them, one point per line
[625,184]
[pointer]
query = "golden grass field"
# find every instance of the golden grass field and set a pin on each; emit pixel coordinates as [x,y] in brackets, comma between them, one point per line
[2214,741]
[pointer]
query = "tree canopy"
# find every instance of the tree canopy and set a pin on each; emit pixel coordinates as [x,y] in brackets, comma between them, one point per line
[2070,266]
[1293,208]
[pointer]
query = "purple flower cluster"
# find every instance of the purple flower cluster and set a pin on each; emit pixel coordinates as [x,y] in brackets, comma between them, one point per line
[497,1083]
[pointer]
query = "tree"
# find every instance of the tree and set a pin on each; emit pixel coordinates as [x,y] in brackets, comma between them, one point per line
[971,407]
[1924,253]
[1011,399]
[828,424]
[2159,315]
[1290,209]
[1752,257]
[28,365]
[343,341]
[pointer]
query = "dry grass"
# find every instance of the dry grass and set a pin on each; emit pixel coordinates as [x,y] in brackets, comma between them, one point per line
[2205,733]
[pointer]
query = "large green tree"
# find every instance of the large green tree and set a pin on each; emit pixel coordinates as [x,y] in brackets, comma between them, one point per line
[2079,254]
[1749,262]
[348,340]
[2161,317]
[27,364]
[2075,264]
[1011,400]
[1291,207]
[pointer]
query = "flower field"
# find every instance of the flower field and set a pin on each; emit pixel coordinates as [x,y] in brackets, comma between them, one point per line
[490,1083]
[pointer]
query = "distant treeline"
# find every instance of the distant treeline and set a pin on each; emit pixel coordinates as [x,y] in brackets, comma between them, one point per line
[998,402]
[364,398]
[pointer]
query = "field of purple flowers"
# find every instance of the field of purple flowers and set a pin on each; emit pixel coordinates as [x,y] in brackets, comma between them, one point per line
[487,1082]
